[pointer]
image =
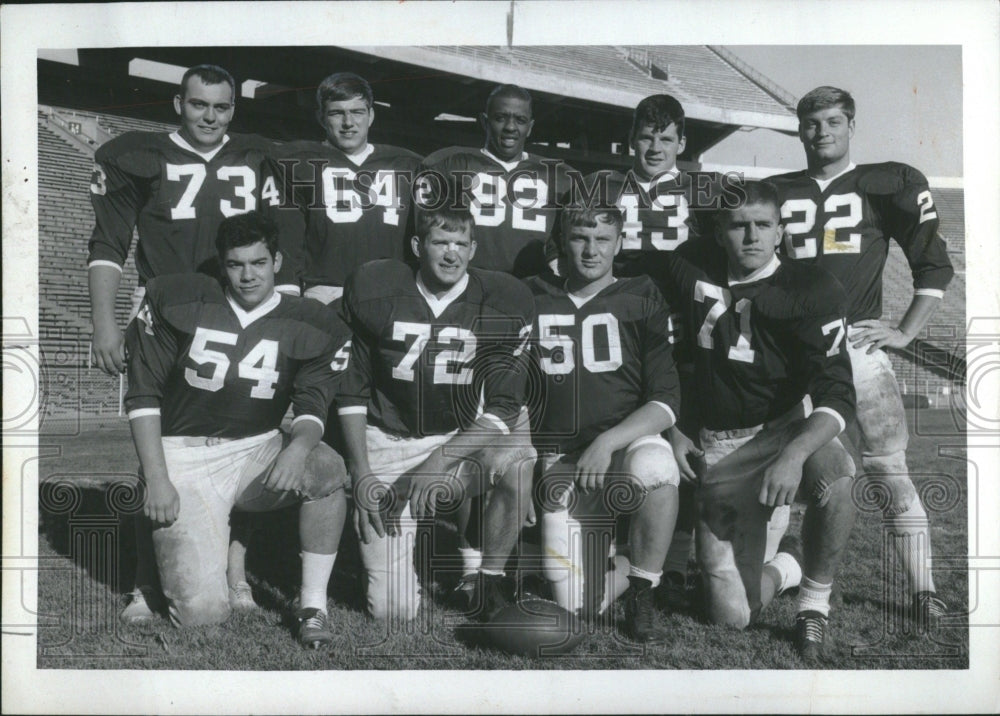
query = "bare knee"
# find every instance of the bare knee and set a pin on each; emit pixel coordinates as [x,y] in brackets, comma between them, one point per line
[325,473]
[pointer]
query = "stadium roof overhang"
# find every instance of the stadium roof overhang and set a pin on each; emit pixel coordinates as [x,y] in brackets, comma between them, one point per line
[426,99]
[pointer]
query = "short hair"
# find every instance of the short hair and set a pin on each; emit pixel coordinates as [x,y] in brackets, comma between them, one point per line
[659,111]
[751,192]
[450,217]
[210,75]
[581,215]
[510,92]
[245,230]
[342,86]
[824,98]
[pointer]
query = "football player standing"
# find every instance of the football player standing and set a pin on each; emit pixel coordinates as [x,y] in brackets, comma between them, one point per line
[175,189]
[354,197]
[437,380]
[212,371]
[767,332]
[513,192]
[610,389]
[841,216]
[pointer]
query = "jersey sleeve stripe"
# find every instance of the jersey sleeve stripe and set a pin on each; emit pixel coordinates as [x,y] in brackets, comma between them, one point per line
[673,418]
[353,410]
[309,417]
[835,414]
[142,413]
[932,292]
[102,262]
[501,425]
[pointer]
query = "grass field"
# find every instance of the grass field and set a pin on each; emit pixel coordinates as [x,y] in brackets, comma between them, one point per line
[85,551]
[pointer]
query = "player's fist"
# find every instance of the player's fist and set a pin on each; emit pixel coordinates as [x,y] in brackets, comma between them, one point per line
[162,503]
[368,492]
[593,464]
[107,349]
[690,458]
[289,469]
[781,481]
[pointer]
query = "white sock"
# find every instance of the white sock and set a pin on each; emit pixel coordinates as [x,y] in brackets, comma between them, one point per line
[472,558]
[679,552]
[316,571]
[814,596]
[911,539]
[789,570]
[653,577]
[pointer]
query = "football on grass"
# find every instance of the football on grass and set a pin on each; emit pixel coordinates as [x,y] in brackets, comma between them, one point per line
[534,627]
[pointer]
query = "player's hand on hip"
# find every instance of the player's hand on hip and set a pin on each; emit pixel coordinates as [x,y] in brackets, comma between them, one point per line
[592,465]
[288,472]
[368,492]
[162,503]
[877,334]
[107,349]
[781,481]
[690,458]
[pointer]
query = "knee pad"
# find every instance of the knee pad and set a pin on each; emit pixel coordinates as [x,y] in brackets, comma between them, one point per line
[499,460]
[562,558]
[823,469]
[891,474]
[651,461]
[393,588]
[201,610]
[325,473]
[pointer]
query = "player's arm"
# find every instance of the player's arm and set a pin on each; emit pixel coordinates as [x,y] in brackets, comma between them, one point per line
[152,351]
[116,201]
[660,387]
[276,201]
[506,367]
[353,396]
[912,220]
[823,355]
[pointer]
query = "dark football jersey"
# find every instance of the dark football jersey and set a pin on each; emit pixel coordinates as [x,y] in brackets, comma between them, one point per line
[215,371]
[424,374]
[657,215]
[760,347]
[152,182]
[348,214]
[846,227]
[514,206]
[601,361]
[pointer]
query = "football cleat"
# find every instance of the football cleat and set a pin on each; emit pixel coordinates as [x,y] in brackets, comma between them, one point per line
[640,616]
[138,609]
[672,593]
[813,640]
[313,628]
[241,598]
[489,597]
[463,595]
[928,609]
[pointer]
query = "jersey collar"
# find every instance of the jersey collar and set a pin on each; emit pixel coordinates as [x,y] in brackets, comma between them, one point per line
[824,183]
[247,317]
[207,156]
[580,301]
[763,272]
[509,166]
[359,158]
[437,305]
[669,175]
